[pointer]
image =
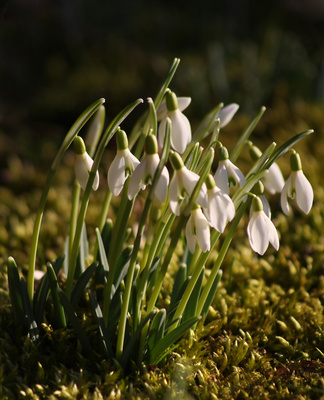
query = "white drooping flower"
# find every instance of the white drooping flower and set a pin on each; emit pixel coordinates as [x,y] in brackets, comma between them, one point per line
[197,230]
[122,166]
[273,180]
[182,185]
[297,187]
[180,125]
[145,171]
[227,174]
[225,114]
[220,207]
[261,230]
[83,164]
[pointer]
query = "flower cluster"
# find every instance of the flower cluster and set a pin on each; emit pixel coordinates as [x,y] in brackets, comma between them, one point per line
[212,208]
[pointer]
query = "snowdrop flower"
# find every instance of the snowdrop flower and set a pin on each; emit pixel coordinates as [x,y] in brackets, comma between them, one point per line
[297,187]
[261,230]
[122,166]
[145,171]
[181,130]
[227,174]
[182,184]
[226,114]
[197,231]
[220,207]
[273,179]
[83,164]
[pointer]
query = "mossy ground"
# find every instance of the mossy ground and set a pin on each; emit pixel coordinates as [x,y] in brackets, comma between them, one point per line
[263,337]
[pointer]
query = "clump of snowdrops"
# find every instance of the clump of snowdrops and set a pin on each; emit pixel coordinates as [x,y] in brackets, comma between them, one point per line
[192,196]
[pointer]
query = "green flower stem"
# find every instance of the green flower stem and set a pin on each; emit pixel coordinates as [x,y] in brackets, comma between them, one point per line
[220,257]
[104,210]
[194,260]
[74,212]
[76,127]
[176,235]
[116,246]
[110,131]
[132,264]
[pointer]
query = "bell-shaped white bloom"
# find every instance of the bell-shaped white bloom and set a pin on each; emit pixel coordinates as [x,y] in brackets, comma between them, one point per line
[83,164]
[180,125]
[227,174]
[197,231]
[182,184]
[273,180]
[225,114]
[220,208]
[145,171]
[261,230]
[122,166]
[297,187]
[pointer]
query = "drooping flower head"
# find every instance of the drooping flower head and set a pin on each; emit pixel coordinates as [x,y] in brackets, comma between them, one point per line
[297,187]
[197,230]
[273,180]
[261,230]
[227,174]
[83,164]
[220,208]
[145,171]
[182,185]
[122,166]
[180,126]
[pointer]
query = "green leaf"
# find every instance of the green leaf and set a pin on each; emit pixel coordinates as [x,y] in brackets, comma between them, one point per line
[206,124]
[156,331]
[81,284]
[286,146]
[15,291]
[29,316]
[159,350]
[122,265]
[102,253]
[131,344]
[191,307]
[43,289]
[58,309]
[178,284]
[101,325]
[211,294]
[76,324]
[245,135]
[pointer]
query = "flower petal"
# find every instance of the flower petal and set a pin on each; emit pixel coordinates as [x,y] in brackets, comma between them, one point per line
[202,230]
[221,177]
[304,192]
[273,181]
[258,233]
[174,194]
[191,241]
[162,185]
[135,181]
[180,131]
[284,196]
[227,113]
[116,174]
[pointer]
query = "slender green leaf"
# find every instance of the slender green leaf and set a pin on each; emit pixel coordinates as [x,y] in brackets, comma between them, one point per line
[132,343]
[43,289]
[178,284]
[245,135]
[158,351]
[102,253]
[191,307]
[29,316]
[76,324]
[15,291]
[122,265]
[206,124]
[58,309]
[81,283]
[286,146]
[157,327]
[211,294]
[101,324]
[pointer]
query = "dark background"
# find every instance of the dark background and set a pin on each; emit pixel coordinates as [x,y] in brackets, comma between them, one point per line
[57,57]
